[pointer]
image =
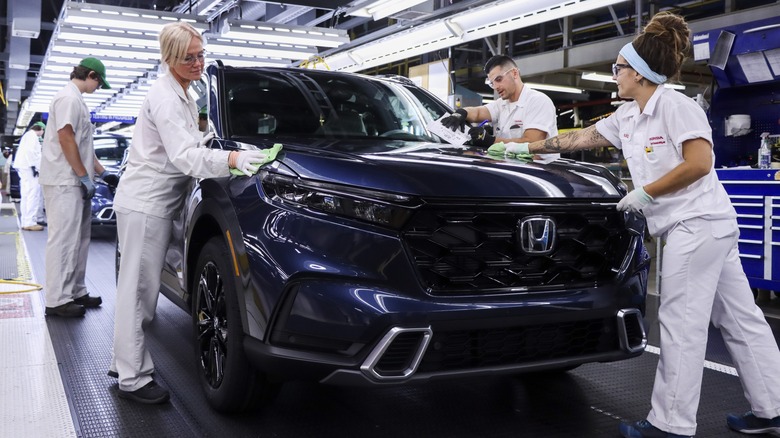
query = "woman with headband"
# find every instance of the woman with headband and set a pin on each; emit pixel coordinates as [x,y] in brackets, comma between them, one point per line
[667,142]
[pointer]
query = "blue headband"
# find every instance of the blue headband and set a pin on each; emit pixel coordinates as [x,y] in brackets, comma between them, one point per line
[639,65]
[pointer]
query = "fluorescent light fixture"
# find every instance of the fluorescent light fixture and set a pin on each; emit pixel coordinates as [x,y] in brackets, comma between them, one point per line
[218,47]
[602,77]
[238,61]
[355,57]
[454,28]
[557,88]
[597,77]
[284,34]
[383,8]
[483,21]
[114,17]
[204,6]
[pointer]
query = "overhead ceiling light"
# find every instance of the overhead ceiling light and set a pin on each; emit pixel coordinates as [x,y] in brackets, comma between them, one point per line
[284,33]
[222,46]
[603,77]
[454,28]
[476,23]
[114,17]
[597,77]
[355,57]
[382,8]
[557,88]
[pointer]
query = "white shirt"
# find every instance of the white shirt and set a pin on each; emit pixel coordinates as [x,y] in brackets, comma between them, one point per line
[164,155]
[532,110]
[67,108]
[29,152]
[652,144]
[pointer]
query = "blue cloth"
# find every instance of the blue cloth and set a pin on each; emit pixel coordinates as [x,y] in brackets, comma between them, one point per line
[639,65]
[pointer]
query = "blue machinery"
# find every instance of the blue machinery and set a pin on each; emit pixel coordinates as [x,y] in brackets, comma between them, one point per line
[745,62]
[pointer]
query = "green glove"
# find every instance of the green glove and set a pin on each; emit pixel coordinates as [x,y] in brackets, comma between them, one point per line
[509,148]
[265,157]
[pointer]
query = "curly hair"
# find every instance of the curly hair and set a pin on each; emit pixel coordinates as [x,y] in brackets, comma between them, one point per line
[664,44]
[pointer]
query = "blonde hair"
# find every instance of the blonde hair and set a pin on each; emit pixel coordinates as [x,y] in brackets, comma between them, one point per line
[175,39]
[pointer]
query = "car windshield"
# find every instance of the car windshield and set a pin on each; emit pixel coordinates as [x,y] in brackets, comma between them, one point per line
[319,104]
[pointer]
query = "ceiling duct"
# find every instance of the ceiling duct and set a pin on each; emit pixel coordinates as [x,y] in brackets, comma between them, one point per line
[25,17]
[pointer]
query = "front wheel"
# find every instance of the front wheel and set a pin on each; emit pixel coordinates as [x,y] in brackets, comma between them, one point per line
[228,380]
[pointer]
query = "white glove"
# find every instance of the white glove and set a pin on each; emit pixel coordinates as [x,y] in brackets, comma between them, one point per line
[206,139]
[249,161]
[635,200]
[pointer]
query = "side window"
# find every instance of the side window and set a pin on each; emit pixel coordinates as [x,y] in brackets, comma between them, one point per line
[260,104]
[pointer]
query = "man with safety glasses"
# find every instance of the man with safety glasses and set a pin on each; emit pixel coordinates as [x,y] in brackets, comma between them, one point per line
[520,114]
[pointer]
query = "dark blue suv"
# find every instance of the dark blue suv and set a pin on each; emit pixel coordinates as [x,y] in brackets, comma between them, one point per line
[372,253]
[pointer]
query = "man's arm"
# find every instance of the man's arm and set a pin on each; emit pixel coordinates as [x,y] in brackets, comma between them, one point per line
[529,136]
[71,150]
[587,138]
[477,114]
[99,169]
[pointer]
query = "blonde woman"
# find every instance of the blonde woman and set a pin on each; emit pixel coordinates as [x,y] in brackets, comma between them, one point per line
[165,156]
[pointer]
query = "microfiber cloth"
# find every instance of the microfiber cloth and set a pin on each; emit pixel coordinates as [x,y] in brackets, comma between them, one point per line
[270,155]
[499,149]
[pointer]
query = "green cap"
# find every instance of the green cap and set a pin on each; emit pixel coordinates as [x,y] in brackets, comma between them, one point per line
[40,124]
[95,65]
[203,112]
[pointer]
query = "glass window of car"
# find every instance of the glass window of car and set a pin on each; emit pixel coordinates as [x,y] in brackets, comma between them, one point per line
[318,104]
[109,150]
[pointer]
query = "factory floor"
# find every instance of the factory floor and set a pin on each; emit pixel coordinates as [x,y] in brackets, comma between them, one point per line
[53,380]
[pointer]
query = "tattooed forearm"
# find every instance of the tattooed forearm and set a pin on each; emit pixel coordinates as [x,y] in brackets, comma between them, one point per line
[571,141]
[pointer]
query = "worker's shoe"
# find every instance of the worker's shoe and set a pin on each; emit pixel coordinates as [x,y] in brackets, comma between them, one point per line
[150,394]
[643,429]
[35,227]
[67,310]
[42,223]
[749,423]
[88,301]
[112,373]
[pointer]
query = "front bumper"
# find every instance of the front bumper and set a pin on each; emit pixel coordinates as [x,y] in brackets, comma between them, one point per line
[358,335]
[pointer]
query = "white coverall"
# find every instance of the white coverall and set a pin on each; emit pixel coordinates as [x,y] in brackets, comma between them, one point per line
[532,110]
[702,275]
[69,216]
[28,156]
[162,161]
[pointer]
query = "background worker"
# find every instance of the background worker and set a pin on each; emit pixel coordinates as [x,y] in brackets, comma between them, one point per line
[168,151]
[67,166]
[678,191]
[521,114]
[27,164]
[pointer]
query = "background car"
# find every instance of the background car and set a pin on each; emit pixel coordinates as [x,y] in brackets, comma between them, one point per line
[371,253]
[110,150]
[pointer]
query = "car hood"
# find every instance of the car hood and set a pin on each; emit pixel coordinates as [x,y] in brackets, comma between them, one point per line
[442,170]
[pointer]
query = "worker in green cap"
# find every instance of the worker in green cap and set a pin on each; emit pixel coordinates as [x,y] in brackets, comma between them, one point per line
[27,164]
[68,166]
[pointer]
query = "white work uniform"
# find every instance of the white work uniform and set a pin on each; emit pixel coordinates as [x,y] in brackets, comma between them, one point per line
[702,275]
[69,216]
[28,156]
[161,163]
[532,110]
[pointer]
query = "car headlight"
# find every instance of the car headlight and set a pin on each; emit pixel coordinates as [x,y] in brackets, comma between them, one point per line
[379,208]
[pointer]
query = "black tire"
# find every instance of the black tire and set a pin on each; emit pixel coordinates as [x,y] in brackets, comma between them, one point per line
[229,382]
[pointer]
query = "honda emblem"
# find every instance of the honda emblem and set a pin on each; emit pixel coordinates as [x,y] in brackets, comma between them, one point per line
[536,235]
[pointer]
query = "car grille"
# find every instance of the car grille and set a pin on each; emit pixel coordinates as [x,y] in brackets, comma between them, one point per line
[475,249]
[456,350]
